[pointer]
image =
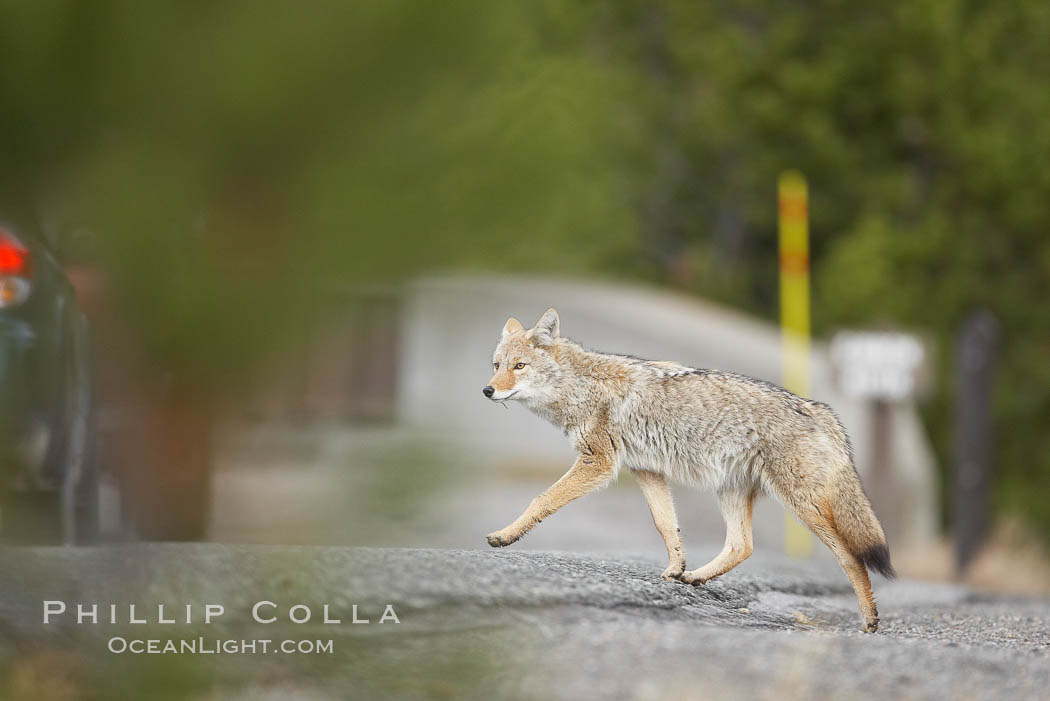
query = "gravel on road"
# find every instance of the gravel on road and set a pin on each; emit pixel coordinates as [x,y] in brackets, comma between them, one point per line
[499,624]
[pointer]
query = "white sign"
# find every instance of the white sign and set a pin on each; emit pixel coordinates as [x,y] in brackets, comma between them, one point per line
[877,365]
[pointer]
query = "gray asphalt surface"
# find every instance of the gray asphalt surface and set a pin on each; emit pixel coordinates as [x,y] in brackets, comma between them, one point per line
[505,624]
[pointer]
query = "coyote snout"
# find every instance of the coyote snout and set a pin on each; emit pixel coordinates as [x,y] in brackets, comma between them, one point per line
[732,434]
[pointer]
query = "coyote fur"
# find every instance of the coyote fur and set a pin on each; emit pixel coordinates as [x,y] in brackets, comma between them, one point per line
[729,433]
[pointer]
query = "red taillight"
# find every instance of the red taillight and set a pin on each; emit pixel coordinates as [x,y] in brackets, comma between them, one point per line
[14,258]
[14,271]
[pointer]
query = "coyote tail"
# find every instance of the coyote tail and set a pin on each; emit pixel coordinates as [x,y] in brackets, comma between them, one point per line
[856,523]
[852,515]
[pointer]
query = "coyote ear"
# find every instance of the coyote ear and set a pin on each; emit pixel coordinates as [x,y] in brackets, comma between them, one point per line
[512,326]
[547,328]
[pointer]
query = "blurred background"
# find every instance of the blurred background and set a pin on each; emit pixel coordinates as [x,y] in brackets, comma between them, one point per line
[255,261]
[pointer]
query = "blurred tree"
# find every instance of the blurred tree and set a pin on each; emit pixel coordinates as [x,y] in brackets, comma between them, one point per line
[233,158]
[237,161]
[922,129]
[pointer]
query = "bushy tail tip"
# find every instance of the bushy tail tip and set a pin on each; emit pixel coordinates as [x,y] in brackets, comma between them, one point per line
[877,559]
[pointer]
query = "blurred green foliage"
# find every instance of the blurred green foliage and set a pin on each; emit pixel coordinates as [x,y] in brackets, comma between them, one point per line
[922,127]
[232,156]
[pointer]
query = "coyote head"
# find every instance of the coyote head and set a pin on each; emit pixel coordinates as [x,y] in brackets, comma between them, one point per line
[523,365]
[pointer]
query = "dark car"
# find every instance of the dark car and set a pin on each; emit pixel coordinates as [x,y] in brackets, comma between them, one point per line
[49,484]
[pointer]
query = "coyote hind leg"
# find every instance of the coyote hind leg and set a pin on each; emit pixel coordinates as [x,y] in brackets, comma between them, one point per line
[824,527]
[736,508]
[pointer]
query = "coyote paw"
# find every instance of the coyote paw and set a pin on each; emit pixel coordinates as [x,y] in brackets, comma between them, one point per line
[695,577]
[673,572]
[500,539]
[871,626]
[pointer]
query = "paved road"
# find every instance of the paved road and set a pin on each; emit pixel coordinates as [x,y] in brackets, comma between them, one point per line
[492,624]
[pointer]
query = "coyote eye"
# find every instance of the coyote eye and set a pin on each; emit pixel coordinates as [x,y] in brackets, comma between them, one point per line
[495,366]
[519,366]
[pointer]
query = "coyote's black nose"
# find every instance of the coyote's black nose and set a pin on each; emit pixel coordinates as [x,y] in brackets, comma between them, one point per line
[488,391]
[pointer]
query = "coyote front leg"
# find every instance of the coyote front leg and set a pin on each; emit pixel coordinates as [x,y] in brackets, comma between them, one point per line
[587,474]
[658,496]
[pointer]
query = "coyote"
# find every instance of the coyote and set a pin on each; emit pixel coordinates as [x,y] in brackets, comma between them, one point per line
[733,434]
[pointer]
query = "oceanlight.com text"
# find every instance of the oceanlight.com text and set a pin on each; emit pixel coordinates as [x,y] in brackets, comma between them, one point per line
[217,646]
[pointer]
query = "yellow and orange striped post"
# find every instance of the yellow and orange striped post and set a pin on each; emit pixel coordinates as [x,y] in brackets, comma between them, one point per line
[793,207]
